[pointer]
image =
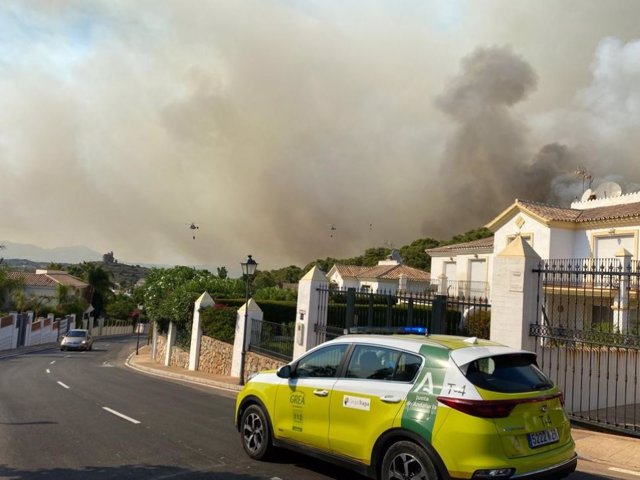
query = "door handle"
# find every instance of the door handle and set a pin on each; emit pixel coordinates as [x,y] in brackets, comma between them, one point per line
[390,399]
[321,393]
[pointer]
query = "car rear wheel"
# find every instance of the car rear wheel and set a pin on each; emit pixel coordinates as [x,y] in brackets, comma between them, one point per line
[406,460]
[256,435]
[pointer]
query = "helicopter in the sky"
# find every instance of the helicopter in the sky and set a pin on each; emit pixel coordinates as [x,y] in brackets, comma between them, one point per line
[193,226]
[332,228]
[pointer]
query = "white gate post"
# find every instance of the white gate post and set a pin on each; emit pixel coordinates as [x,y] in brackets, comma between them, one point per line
[308,312]
[621,301]
[515,291]
[15,332]
[171,340]
[204,300]
[254,312]
[154,341]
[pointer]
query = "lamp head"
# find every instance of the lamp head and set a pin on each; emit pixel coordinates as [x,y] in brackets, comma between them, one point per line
[249,267]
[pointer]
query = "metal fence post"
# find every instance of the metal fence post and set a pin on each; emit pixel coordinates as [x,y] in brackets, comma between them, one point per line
[351,307]
[438,314]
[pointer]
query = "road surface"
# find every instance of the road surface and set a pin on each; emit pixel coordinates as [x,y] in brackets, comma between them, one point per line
[76,415]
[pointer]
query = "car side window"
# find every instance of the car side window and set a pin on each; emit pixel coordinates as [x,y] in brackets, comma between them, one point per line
[321,363]
[379,363]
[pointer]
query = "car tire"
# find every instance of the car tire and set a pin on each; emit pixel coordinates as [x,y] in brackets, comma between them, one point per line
[255,433]
[407,460]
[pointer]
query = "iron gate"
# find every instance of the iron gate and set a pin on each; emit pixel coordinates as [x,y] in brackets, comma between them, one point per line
[351,311]
[587,338]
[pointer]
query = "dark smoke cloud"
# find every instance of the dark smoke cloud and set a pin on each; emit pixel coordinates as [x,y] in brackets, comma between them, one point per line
[266,122]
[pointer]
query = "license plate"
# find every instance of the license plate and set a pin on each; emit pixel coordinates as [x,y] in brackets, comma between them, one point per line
[545,437]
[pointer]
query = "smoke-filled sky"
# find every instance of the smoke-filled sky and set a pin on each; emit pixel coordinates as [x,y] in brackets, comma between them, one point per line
[268,121]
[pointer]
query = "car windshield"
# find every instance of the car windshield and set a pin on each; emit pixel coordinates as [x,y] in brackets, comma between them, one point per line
[513,373]
[76,333]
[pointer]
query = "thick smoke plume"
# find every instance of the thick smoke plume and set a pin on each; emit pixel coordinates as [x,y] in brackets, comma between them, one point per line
[267,122]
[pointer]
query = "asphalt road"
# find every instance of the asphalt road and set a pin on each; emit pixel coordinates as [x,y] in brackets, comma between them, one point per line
[76,415]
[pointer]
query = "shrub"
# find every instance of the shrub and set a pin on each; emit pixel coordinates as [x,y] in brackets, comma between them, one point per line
[219,322]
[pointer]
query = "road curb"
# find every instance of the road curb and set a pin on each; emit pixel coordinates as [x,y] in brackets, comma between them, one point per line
[183,378]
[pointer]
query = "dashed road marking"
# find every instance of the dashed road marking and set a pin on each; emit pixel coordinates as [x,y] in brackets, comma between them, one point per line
[63,385]
[622,470]
[52,362]
[48,371]
[121,415]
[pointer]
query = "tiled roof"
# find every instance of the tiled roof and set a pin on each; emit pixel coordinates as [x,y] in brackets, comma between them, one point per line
[560,214]
[48,279]
[33,279]
[350,270]
[66,279]
[383,272]
[474,245]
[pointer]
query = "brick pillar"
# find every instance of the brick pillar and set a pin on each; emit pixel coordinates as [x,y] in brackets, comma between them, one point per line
[254,312]
[171,341]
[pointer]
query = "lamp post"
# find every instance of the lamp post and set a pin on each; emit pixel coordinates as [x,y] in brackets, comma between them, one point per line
[248,269]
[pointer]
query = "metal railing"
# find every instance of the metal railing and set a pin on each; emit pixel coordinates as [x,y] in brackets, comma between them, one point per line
[587,338]
[272,339]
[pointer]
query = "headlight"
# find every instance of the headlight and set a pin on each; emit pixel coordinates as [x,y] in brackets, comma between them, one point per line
[83,342]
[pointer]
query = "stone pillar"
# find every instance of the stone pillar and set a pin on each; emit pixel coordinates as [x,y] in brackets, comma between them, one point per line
[515,292]
[309,311]
[253,313]
[620,305]
[171,340]
[204,300]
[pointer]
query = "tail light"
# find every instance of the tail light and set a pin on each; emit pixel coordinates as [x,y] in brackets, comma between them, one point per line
[491,408]
[481,408]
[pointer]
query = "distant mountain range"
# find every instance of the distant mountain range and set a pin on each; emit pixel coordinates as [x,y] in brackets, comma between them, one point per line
[77,254]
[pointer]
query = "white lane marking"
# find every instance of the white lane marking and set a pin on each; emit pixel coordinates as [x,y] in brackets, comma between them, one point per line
[52,362]
[63,385]
[121,415]
[622,470]
[48,371]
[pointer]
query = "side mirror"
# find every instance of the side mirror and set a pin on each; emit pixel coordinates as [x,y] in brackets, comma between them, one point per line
[284,371]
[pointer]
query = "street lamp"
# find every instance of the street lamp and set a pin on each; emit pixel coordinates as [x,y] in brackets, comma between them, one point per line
[248,269]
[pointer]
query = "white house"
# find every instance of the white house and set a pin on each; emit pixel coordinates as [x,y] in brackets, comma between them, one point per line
[390,275]
[594,228]
[44,284]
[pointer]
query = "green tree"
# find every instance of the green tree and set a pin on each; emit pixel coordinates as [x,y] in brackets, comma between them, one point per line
[414,254]
[100,284]
[62,293]
[8,283]
[121,307]
[169,294]
[222,272]
[263,279]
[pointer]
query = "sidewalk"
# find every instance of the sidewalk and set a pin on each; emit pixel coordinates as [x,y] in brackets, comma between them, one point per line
[143,362]
[614,450]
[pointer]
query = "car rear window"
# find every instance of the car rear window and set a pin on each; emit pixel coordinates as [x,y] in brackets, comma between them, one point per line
[512,373]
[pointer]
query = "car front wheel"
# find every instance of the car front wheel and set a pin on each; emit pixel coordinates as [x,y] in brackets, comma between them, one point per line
[406,460]
[256,435]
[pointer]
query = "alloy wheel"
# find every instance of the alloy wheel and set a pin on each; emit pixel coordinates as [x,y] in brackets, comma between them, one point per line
[405,466]
[253,432]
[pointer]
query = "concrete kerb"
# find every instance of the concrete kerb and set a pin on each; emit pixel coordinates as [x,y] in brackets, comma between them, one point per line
[183,377]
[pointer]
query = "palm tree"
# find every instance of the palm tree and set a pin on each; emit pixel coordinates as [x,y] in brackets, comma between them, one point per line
[62,294]
[100,284]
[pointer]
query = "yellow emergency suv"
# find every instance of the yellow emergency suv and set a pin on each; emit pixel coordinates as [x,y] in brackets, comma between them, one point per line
[420,407]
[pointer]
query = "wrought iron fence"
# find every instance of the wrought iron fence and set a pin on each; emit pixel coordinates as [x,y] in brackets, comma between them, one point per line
[272,339]
[588,340]
[348,311]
